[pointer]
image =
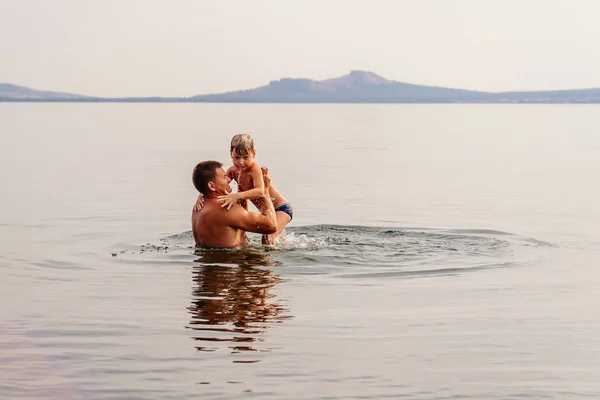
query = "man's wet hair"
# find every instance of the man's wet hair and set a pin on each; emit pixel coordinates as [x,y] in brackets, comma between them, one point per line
[242,143]
[203,173]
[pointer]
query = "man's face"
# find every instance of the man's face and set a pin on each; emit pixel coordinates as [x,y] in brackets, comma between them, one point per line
[221,181]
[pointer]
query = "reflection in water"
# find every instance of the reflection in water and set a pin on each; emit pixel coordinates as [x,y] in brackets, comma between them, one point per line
[232,301]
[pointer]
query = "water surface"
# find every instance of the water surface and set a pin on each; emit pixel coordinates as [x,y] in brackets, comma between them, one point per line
[436,251]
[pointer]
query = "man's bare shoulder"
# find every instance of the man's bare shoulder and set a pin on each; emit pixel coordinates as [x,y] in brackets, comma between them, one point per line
[213,212]
[213,216]
[206,213]
[233,215]
[214,226]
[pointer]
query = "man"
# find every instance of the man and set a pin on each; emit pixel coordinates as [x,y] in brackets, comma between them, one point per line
[215,226]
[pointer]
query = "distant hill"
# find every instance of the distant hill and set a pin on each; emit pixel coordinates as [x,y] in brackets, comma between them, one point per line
[14,92]
[368,87]
[355,87]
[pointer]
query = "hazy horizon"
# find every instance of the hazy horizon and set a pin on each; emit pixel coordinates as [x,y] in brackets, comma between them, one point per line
[134,48]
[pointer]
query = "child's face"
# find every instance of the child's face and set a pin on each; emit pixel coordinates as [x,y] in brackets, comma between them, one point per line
[242,162]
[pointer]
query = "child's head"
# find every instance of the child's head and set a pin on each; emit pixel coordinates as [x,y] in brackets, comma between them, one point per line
[242,150]
[243,144]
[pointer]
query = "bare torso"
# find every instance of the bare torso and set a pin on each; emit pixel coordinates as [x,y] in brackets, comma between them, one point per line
[209,227]
[244,182]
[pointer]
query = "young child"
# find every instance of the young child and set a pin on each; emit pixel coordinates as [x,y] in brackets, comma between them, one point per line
[249,178]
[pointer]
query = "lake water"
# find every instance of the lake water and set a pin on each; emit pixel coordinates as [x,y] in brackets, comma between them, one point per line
[436,252]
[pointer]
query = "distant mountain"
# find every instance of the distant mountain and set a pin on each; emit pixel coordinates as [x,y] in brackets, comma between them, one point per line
[356,87]
[14,92]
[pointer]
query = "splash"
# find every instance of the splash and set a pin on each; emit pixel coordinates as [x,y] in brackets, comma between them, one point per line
[292,241]
[360,251]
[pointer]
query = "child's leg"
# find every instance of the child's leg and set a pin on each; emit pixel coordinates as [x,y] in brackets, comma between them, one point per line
[283,219]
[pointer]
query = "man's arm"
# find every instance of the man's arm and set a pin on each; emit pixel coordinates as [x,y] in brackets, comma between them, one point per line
[265,222]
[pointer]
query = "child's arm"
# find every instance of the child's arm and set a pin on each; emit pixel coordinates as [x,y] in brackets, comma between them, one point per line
[232,173]
[257,191]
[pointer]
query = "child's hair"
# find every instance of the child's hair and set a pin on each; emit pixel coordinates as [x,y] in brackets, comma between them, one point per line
[242,143]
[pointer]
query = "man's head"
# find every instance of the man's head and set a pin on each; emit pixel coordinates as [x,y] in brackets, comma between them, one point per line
[209,177]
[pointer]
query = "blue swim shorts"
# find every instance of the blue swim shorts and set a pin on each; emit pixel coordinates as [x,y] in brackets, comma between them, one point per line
[286,208]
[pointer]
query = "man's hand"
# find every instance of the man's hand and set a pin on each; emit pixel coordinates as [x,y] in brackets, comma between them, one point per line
[229,200]
[199,202]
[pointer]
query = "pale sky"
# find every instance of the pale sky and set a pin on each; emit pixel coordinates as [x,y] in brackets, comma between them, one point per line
[189,47]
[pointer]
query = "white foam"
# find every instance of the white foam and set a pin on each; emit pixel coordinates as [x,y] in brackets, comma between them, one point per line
[291,241]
